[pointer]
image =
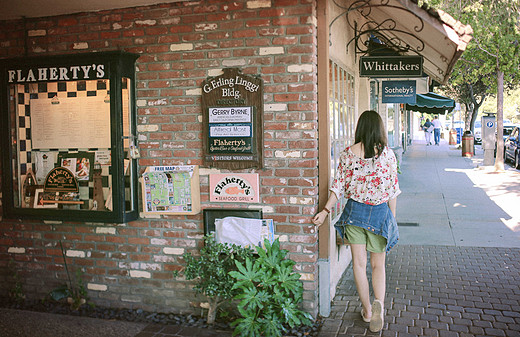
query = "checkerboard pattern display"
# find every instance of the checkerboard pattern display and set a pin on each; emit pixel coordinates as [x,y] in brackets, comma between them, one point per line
[57,90]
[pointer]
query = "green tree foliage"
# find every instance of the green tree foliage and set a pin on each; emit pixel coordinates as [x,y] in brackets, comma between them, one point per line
[491,61]
[269,292]
[511,105]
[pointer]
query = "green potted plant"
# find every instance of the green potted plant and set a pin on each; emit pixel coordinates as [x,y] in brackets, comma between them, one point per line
[211,271]
[269,292]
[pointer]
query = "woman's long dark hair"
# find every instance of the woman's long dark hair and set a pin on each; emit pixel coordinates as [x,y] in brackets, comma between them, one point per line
[370,131]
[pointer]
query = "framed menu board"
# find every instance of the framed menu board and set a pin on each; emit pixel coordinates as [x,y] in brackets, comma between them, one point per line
[71,122]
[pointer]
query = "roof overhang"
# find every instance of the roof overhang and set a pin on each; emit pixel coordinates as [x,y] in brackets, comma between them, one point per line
[405,27]
[14,10]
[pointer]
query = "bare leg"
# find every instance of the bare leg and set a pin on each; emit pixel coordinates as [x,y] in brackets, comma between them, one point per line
[377,261]
[359,266]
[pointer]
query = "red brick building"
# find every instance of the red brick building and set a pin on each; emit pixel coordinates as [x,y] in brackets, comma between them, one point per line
[297,47]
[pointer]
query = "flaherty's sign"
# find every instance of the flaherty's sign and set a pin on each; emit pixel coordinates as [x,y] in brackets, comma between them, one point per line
[65,73]
[60,179]
[391,66]
[232,106]
[234,187]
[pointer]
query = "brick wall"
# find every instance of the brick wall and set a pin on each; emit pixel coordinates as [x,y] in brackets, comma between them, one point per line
[181,44]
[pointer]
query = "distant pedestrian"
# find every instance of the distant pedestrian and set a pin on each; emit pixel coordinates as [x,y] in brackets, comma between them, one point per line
[428,130]
[367,177]
[437,126]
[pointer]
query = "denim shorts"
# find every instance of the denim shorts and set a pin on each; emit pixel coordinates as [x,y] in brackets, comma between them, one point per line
[357,235]
[377,220]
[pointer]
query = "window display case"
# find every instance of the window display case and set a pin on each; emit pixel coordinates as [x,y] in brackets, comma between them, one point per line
[68,137]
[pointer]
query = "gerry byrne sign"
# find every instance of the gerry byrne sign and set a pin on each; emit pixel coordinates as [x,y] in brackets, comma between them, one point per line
[398,92]
[390,66]
[232,106]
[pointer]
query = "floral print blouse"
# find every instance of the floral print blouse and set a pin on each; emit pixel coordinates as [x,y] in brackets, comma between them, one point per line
[371,181]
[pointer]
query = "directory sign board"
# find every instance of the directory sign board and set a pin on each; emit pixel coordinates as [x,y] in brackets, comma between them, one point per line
[232,106]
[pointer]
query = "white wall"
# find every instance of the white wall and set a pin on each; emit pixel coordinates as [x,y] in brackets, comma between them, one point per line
[340,256]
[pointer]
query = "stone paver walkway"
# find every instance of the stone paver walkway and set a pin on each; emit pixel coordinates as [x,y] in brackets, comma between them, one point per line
[456,269]
[442,291]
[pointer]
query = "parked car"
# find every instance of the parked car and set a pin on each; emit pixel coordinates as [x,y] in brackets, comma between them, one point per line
[454,125]
[508,130]
[478,132]
[512,147]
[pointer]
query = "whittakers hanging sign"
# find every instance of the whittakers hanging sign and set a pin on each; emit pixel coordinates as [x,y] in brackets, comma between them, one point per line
[390,66]
[232,106]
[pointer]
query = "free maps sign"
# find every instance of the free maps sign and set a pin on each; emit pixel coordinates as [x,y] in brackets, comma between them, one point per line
[171,190]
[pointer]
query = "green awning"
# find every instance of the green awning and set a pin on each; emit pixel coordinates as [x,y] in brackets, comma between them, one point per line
[432,103]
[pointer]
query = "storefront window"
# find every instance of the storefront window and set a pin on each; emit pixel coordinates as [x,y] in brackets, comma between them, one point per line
[391,124]
[71,133]
[374,96]
[342,117]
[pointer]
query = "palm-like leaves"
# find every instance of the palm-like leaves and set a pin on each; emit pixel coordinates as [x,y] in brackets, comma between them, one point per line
[211,270]
[270,292]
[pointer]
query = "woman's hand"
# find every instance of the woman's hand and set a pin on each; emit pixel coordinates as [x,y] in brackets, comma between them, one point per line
[319,218]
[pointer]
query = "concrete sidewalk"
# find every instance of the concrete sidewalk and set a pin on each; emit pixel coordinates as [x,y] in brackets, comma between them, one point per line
[451,200]
[456,270]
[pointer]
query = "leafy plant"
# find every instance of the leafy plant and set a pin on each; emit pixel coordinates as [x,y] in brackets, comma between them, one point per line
[269,293]
[75,291]
[16,292]
[211,270]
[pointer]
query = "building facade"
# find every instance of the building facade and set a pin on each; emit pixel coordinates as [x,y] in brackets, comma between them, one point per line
[304,52]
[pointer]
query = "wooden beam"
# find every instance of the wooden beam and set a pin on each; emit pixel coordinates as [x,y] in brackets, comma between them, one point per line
[323,123]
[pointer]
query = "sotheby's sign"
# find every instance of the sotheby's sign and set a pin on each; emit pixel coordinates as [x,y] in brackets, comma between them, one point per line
[398,92]
[391,66]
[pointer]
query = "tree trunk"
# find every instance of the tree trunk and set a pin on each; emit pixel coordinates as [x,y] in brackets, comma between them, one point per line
[474,105]
[499,159]
[473,119]
[212,313]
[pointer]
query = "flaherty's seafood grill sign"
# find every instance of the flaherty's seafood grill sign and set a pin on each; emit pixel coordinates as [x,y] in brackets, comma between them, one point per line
[232,106]
[234,187]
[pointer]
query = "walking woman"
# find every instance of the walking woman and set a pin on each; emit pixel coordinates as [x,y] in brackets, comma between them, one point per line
[367,177]
[428,129]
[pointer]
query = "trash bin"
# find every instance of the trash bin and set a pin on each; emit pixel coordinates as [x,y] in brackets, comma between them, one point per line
[453,137]
[468,144]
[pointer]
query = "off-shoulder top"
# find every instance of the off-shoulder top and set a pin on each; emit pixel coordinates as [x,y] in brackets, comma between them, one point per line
[371,181]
